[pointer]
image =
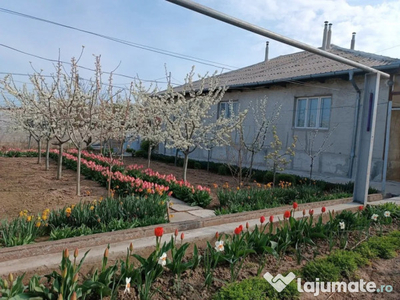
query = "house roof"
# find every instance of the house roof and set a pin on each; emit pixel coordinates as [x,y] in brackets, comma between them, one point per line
[303,65]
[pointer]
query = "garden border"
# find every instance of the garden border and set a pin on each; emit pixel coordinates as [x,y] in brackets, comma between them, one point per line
[52,247]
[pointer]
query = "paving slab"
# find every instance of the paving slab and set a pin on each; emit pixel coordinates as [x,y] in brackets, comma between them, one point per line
[184,207]
[202,213]
[177,201]
[181,216]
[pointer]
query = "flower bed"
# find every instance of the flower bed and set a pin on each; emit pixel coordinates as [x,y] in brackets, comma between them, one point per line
[85,218]
[240,199]
[181,190]
[217,269]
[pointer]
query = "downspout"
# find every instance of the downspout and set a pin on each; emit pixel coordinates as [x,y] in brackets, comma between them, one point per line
[355,126]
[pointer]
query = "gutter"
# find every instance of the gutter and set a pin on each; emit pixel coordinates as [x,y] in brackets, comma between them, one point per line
[355,126]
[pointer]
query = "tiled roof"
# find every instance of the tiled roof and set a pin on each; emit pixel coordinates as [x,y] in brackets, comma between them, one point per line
[301,65]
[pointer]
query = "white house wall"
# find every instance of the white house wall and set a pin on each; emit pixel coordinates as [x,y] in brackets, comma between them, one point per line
[335,161]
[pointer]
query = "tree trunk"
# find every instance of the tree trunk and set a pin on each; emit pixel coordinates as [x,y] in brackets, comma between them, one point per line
[78,173]
[59,163]
[311,167]
[47,154]
[176,157]
[251,164]
[208,160]
[39,151]
[29,141]
[109,182]
[274,177]
[149,156]
[185,164]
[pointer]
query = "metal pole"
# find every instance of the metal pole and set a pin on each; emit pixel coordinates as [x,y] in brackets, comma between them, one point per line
[267,33]
[385,158]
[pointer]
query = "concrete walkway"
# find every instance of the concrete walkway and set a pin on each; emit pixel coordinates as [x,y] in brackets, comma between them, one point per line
[181,211]
[47,262]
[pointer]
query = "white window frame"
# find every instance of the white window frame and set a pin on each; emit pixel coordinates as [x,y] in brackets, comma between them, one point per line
[229,102]
[306,115]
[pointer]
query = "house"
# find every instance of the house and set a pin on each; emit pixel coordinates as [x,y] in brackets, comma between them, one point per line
[317,93]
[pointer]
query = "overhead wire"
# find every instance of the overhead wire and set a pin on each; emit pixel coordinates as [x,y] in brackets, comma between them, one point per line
[125,42]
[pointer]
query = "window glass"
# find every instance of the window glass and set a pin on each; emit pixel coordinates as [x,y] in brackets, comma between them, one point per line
[301,112]
[325,112]
[312,112]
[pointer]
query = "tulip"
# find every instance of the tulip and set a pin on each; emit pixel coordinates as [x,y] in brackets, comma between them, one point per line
[237,230]
[131,247]
[311,212]
[75,279]
[361,207]
[76,252]
[247,225]
[271,219]
[182,236]
[66,253]
[158,231]
[323,209]
[11,277]
[295,205]
[73,296]
[286,215]
[262,219]
[106,253]
[304,212]
[176,232]
[217,235]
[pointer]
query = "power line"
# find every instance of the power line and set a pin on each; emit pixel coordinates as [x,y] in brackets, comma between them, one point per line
[128,43]
[82,67]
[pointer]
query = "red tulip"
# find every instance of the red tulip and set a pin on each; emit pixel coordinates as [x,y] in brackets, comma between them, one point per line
[323,209]
[241,227]
[295,205]
[247,225]
[217,235]
[361,207]
[304,212]
[286,215]
[158,231]
[176,232]
[271,219]
[311,212]
[182,236]
[262,219]
[238,230]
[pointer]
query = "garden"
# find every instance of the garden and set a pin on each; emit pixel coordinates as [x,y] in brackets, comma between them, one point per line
[231,265]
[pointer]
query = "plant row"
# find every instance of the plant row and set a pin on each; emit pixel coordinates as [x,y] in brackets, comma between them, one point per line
[195,195]
[85,218]
[240,199]
[141,276]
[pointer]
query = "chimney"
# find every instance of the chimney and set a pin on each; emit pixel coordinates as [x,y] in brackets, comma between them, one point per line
[324,36]
[266,51]
[353,41]
[328,39]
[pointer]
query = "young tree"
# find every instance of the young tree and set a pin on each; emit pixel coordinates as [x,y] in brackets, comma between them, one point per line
[149,121]
[310,144]
[276,158]
[188,118]
[263,119]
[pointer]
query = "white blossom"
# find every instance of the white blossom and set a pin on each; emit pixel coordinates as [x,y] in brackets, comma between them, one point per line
[374,217]
[342,225]
[219,246]
[386,214]
[163,259]
[127,285]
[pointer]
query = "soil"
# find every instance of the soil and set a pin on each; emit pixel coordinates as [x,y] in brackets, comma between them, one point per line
[24,184]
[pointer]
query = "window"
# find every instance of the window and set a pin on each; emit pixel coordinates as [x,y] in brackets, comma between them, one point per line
[227,109]
[313,112]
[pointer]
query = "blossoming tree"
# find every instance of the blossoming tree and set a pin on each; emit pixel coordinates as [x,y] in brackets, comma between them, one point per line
[188,119]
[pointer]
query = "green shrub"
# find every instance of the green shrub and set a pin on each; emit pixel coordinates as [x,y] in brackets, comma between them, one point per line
[141,153]
[268,177]
[380,246]
[197,165]
[286,178]
[347,261]
[255,288]
[223,170]
[321,268]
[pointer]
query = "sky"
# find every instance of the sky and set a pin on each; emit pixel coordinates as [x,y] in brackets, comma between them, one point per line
[214,46]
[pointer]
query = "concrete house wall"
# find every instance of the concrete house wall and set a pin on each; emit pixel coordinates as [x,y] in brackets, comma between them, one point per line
[336,159]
